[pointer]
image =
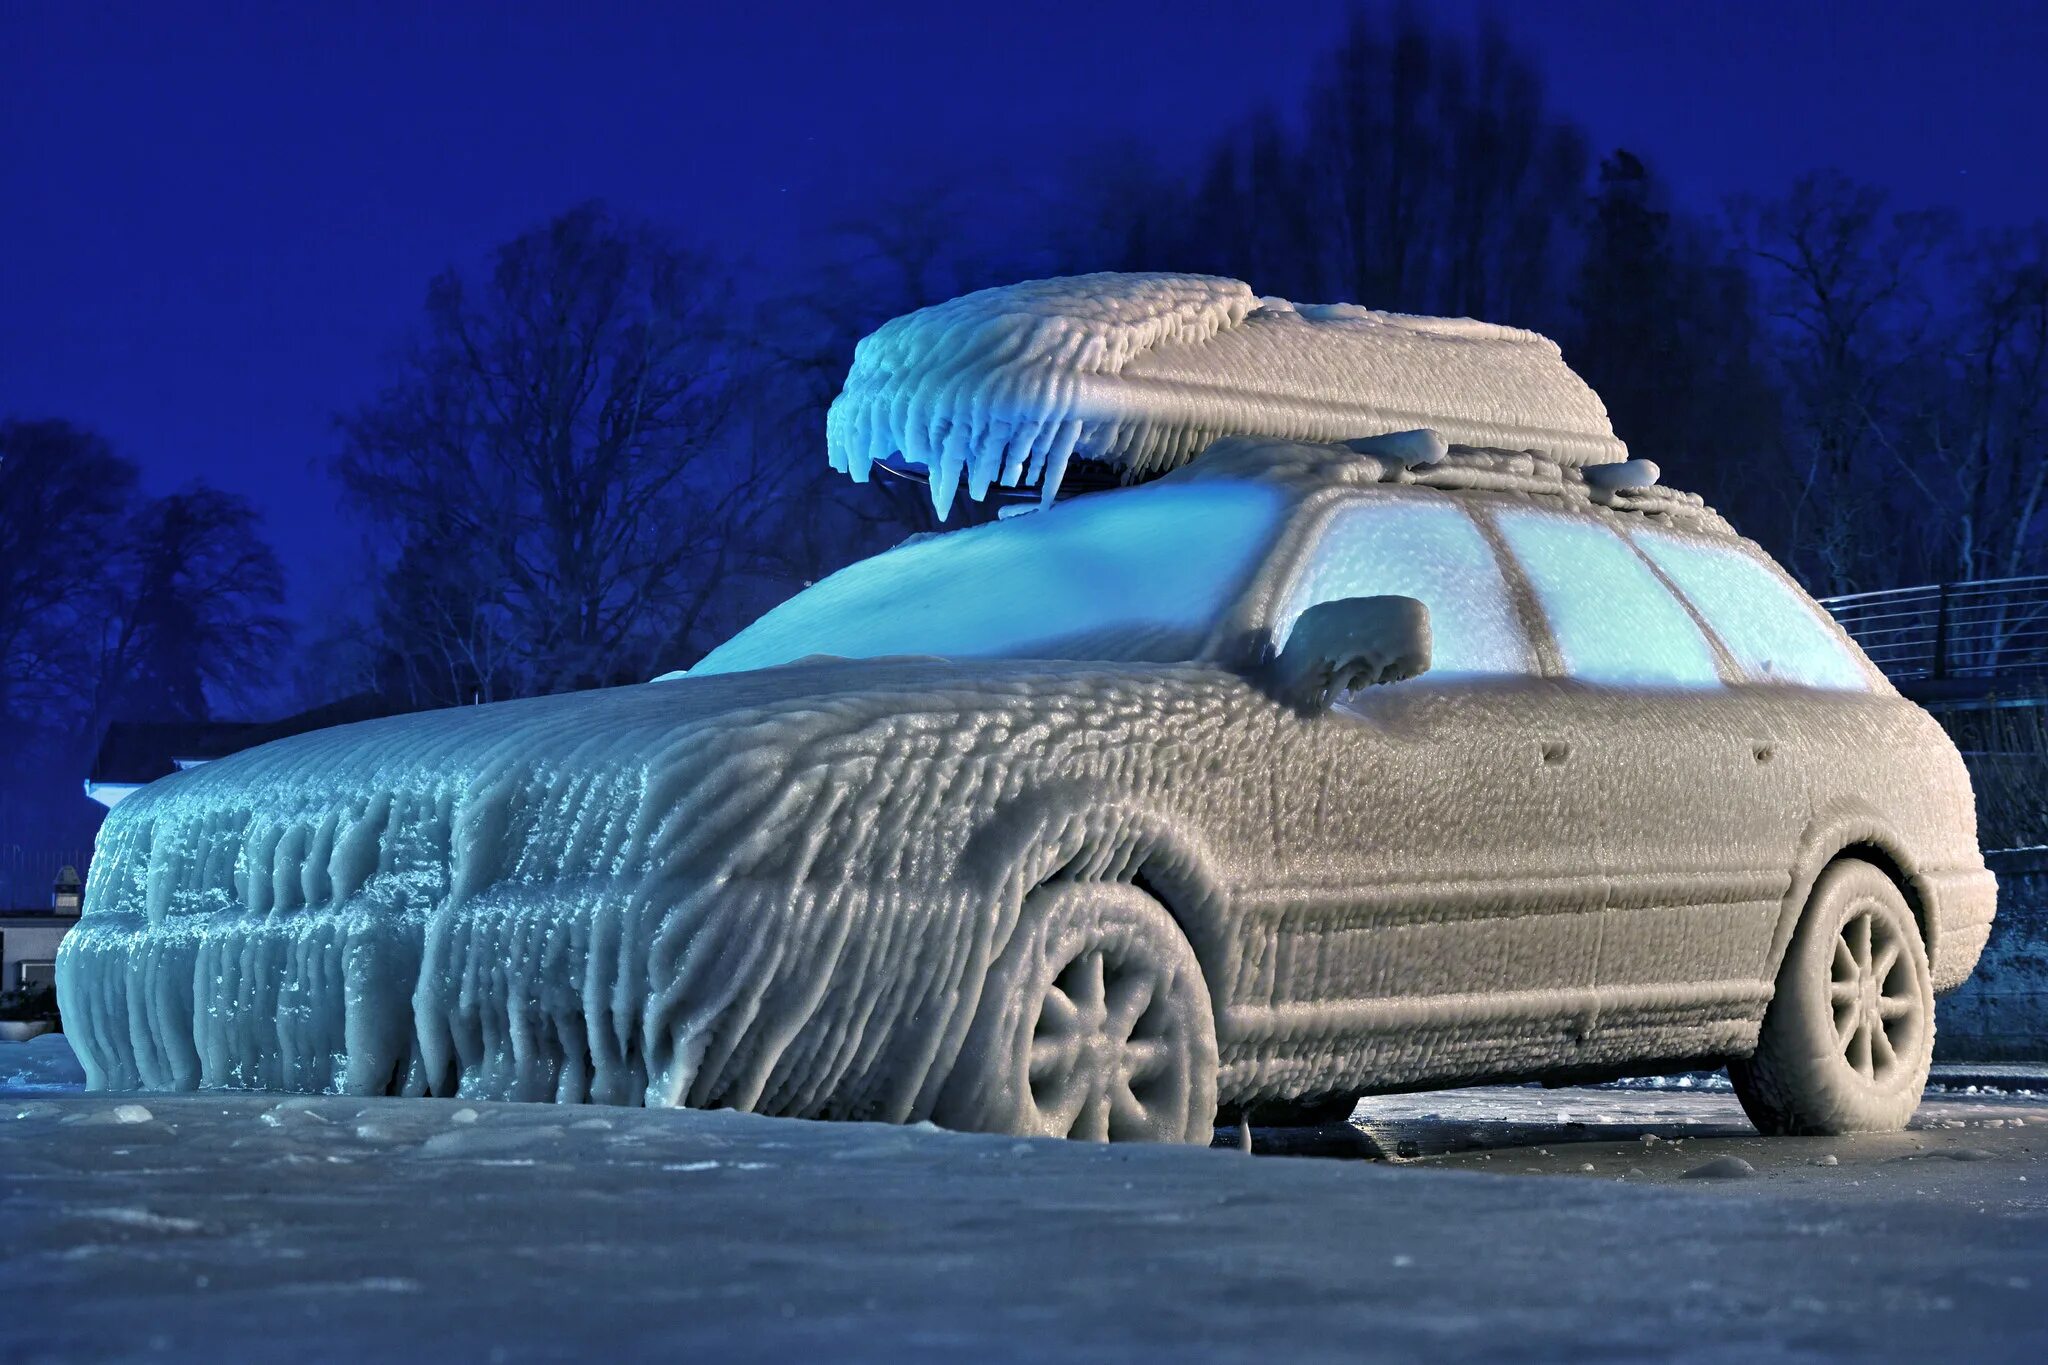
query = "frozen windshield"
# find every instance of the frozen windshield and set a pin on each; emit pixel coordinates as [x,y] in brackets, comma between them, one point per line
[1138,574]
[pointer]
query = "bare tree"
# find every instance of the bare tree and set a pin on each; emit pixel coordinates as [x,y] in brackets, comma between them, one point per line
[113,606]
[64,500]
[551,470]
[194,613]
[1989,457]
[1844,280]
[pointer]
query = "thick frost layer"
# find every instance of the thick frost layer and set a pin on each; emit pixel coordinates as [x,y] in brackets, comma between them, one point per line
[1612,620]
[1005,386]
[1428,550]
[1769,628]
[1114,576]
[788,890]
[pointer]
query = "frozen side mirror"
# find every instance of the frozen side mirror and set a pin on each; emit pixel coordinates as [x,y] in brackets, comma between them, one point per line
[1353,642]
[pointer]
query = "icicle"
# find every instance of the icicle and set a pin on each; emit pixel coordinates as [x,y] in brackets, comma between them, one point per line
[945,475]
[1056,462]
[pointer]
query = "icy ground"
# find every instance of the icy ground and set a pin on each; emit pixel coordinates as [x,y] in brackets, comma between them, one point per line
[242,1227]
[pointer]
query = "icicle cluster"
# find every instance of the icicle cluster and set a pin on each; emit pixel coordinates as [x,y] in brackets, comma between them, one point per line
[986,386]
[1005,386]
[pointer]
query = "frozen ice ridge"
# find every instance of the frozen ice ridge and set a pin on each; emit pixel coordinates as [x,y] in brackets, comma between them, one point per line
[1006,386]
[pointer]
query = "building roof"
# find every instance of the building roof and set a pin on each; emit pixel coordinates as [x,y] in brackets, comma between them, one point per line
[142,751]
[135,752]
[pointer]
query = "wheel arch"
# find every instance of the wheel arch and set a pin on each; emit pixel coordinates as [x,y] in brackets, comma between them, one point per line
[1072,833]
[1853,833]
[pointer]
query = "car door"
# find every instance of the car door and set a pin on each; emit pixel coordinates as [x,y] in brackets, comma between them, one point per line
[1690,809]
[1441,901]
[1801,702]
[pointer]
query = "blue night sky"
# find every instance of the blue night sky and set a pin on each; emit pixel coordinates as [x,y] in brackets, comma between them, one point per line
[219,219]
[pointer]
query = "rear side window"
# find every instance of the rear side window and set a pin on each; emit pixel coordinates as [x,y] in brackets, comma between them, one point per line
[1426,549]
[1613,621]
[1773,632]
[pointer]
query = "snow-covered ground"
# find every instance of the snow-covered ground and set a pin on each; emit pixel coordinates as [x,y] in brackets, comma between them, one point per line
[242,1226]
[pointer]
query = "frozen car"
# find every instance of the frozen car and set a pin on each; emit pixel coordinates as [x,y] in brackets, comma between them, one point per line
[1302,772]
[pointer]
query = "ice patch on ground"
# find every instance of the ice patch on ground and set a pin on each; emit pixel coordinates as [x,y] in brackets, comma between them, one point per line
[40,1065]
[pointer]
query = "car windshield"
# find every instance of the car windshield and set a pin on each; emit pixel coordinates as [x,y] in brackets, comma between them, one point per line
[1139,574]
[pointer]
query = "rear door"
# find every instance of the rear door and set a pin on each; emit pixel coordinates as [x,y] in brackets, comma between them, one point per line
[1691,814]
[1801,694]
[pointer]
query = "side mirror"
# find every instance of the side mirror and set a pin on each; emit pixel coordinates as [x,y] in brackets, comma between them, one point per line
[1347,644]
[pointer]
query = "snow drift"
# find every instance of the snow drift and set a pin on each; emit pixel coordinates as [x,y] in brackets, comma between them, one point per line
[1141,371]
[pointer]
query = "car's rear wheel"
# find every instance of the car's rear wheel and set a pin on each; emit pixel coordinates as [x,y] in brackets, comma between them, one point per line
[1849,1034]
[1094,1023]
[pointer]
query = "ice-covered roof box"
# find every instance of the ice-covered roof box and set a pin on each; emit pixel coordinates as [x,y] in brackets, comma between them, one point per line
[1004,387]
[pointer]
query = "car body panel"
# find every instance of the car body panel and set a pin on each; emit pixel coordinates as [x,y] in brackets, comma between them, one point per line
[780,890]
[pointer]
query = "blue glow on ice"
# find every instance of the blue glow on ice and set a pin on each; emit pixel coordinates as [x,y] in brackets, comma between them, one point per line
[1138,574]
[1773,632]
[1613,621]
[1425,548]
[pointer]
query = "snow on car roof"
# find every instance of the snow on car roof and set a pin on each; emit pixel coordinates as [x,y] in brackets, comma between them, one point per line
[1143,371]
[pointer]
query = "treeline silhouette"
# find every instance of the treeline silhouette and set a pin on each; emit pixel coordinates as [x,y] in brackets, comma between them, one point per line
[602,451]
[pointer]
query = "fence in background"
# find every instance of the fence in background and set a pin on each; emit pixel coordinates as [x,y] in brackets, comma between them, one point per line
[1938,632]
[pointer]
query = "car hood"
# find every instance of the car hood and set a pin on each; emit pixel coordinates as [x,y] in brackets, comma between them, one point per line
[546,788]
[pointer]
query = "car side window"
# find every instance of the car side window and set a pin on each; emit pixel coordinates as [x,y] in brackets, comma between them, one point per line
[1421,547]
[1613,621]
[1770,628]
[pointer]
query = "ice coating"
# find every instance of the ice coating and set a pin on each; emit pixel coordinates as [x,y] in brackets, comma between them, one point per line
[1760,617]
[1003,387]
[1109,576]
[1613,621]
[1429,550]
[784,890]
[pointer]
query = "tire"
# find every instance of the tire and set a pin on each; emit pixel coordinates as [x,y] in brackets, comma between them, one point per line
[1849,1034]
[1094,1023]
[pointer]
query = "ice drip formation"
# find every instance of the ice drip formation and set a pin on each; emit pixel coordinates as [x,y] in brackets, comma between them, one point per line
[1007,828]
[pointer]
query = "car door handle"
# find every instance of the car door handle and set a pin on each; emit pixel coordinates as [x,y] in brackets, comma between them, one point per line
[1555,753]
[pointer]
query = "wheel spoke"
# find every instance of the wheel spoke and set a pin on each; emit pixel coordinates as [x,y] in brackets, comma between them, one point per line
[1092,1124]
[1053,1057]
[1859,1048]
[1861,945]
[1059,1014]
[1843,993]
[1091,983]
[1847,1016]
[1144,1058]
[1845,970]
[1062,1101]
[1891,1008]
[1883,1055]
[1887,958]
[1130,999]
[1127,1117]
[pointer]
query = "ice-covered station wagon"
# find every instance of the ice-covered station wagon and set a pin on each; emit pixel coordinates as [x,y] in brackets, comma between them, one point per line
[1395,730]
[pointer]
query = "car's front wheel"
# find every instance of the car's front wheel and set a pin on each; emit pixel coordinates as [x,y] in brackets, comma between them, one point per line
[1849,1034]
[1094,1023]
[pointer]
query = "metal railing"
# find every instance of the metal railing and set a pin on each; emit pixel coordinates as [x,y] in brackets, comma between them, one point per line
[1940,631]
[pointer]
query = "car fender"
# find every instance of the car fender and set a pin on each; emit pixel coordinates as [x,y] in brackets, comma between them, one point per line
[1075,830]
[1849,825]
